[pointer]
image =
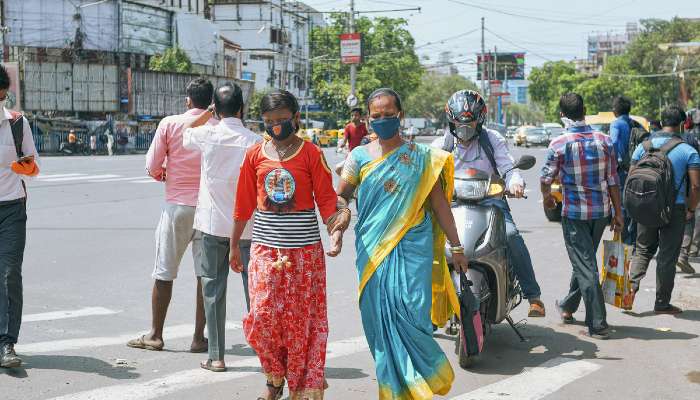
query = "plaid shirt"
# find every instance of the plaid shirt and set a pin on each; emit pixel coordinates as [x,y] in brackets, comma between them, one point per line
[584,161]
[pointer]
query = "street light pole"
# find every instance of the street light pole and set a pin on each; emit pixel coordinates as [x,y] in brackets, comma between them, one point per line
[353,67]
[483,59]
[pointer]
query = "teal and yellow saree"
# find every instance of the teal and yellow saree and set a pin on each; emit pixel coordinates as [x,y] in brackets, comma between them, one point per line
[404,281]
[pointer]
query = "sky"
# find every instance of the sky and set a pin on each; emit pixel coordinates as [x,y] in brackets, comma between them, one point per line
[544,29]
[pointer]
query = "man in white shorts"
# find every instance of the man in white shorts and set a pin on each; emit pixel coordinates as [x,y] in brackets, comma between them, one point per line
[175,230]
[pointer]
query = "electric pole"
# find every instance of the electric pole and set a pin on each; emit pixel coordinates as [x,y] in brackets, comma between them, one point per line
[483,59]
[353,67]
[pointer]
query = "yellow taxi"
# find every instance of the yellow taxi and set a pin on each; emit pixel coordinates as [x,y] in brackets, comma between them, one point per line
[602,121]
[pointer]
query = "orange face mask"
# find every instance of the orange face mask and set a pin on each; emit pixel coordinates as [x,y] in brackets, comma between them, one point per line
[27,168]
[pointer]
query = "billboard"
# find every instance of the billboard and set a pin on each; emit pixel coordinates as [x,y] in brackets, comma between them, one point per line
[511,65]
[351,48]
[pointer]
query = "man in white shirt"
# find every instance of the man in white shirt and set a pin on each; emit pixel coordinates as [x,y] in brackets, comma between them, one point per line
[223,149]
[18,160]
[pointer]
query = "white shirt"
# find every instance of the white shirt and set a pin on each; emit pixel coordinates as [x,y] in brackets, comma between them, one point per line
[223,149]
[10,182]
[471,155]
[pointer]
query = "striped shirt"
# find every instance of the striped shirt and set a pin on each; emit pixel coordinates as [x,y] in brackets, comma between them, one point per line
[585,163]
[286,230]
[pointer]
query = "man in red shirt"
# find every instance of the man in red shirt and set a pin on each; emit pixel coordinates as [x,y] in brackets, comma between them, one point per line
[355,130]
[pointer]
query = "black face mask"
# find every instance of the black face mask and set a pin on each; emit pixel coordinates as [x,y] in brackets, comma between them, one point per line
[282,130]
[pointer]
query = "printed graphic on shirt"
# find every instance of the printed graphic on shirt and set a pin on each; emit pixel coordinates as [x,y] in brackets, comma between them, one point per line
[280,187]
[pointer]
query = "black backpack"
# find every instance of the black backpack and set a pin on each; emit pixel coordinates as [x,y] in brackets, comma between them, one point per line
[637,135]
[650,190]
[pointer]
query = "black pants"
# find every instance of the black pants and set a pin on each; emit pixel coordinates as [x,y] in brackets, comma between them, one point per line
[667,240]
[582,238]
[13,224]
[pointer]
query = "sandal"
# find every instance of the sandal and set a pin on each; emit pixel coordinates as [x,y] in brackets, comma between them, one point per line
[275,391]
[140,343]
[536,309]
[566,317]
[210,367]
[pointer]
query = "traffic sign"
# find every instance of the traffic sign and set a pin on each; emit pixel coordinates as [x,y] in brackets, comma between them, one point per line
[351,101]
[351,48]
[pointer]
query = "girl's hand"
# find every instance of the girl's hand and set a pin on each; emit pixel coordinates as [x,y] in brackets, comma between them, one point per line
[336,244]
[235,259]
[460,262]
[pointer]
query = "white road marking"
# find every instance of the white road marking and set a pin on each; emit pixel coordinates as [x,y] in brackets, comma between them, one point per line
[41,176]
[149,180]
[54,315]
[535,383]
[80,178]
[192,378]
[173,332]
[129,178]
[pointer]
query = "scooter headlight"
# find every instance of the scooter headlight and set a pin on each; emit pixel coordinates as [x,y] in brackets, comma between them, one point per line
[471,189]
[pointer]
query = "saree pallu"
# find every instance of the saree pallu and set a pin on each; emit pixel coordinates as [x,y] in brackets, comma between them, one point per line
[287,325]
[402,272]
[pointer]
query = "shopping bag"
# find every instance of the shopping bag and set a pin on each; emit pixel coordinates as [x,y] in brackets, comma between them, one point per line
[615,275]
[470,318]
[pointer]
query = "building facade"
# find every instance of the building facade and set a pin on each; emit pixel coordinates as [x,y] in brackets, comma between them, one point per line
[603,45]
[274,40]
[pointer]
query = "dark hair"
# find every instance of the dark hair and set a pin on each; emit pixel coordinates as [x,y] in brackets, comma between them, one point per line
[228,99]
[654,123]
[277,100]
[621,105]
[672,116]
[571,105]
[200,92]
[385,92]
[4,78]
[356,109]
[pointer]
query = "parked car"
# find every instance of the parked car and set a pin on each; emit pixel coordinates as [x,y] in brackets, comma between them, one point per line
[510,132]
[520,138]
[553,130]
[536,137]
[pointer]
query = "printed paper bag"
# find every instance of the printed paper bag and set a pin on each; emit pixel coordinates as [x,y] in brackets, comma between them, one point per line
[615,277]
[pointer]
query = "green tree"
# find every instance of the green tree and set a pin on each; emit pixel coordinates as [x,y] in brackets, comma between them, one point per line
[549,82]
[172,60]
[254,104]
[520,114]
[389,60]
[429,98]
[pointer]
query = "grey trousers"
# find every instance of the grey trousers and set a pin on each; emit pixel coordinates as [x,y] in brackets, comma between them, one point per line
[13,230]
[667,240]
[691,238]
[582,239]
[213,272]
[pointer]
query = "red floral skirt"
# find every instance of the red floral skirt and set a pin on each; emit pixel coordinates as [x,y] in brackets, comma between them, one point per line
[287,325]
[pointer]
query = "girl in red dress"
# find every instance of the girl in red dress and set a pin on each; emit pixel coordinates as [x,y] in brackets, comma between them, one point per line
[282,182]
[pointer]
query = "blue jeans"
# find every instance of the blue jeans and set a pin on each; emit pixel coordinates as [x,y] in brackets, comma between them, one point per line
[518,254]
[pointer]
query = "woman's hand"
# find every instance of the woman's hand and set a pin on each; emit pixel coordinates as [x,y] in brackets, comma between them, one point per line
[460,262]
[235,259]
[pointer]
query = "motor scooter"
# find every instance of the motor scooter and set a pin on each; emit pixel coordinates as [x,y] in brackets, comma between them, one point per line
[482,231]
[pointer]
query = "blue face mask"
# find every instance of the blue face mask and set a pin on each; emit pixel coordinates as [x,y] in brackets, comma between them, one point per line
[386,128]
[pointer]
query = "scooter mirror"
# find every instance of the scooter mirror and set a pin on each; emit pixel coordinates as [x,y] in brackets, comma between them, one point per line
[525,162]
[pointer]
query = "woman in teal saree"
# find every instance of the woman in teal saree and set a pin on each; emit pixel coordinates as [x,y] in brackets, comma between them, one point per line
[403,209]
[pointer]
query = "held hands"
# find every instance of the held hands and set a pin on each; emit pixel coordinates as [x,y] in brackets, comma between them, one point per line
[336,243]
[235,259]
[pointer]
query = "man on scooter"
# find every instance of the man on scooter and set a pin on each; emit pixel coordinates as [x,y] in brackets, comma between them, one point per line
[476,147]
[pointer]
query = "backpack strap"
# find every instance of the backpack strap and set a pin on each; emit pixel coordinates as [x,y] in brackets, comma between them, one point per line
[486,145]
[17,128]
[670,145]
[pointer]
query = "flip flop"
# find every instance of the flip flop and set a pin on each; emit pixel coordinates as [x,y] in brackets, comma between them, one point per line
[536,309]
[140,343]
[277,391]
[208,366]
[565,319]
[202,349]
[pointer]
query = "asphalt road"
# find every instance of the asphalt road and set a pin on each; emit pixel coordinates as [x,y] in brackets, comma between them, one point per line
[87,291]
